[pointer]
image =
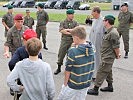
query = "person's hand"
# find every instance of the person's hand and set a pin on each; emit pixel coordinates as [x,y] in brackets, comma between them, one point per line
[7,28]
[68,30]
[21,88]
[118,57]
[6,54]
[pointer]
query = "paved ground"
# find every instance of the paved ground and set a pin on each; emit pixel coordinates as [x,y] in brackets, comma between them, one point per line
[123,68]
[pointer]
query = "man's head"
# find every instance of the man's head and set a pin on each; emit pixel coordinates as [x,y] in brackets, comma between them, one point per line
[40,6]
[78,34]
[124,7]
[28,12]
[18,20]
[33,46]
[10,8]
[109,20]
[70,14]
[96,12]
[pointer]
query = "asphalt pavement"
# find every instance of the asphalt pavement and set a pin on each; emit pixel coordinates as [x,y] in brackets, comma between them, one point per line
[122,68]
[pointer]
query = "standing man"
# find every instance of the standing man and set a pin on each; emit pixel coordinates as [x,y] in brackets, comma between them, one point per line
[7,19]
[66,39]
[28,20]
[110,51]
[125,18]
[96,35]
[42,20]
[14,35]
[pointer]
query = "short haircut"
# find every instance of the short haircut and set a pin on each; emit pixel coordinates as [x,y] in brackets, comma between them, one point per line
[33,46]
[79,32]
[96,9]
[110,21]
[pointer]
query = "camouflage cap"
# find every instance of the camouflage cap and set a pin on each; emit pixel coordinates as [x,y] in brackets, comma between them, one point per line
[10,7]
[70,11]
[109,17]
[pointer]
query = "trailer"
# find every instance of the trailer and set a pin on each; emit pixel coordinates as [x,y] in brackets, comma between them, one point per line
[116,4]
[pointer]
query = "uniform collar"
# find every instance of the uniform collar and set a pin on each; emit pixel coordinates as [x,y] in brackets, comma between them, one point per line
[109,30]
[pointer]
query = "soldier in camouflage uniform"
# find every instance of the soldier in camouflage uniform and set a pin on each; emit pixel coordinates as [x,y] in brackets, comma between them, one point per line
[109,51]
[42,20]
[28,20]
[125,18]
[7,19]
[66,39]
[14,35]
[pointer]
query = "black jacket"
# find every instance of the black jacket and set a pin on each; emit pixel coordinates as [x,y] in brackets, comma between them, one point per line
[19,55]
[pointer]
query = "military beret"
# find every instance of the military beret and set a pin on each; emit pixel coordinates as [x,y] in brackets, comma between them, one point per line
[124,4]
[10,7]
[29,33]
[109,17]
[27,10]
[18,17]
[70,11]
[40,5]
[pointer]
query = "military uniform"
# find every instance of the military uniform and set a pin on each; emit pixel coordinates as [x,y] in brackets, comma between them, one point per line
[109,51]
[109,43]
[8,19]
[28,21]
[125,19]
[42,20]
[66,40]
[14,38]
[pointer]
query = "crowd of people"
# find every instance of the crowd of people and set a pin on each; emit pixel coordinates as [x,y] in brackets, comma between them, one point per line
[88,59]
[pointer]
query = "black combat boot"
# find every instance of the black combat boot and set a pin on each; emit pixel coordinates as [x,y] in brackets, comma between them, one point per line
[58,70]
[93,91]
[44,46]
[109,88]
[126,55]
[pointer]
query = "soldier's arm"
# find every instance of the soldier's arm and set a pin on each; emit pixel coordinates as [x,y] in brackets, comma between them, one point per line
[62,29]
[47,17]
[117,52]
[3,22]
[7,45]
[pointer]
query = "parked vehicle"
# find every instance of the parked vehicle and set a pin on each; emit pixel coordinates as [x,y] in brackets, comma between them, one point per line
[50,4]
[38,3]
[27,4]
[116,4]
[84,7]
[17,3]
[73,5]
[9,3]
[61,4]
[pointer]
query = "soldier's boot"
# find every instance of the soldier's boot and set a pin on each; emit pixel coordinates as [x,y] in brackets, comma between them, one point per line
[109,88]
[93,91]
[58,70]
[126,55]
[44,46]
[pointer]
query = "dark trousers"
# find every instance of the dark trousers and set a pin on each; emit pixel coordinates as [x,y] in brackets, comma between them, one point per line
[41,30]
[64,46]
[104,72]
[125,37]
